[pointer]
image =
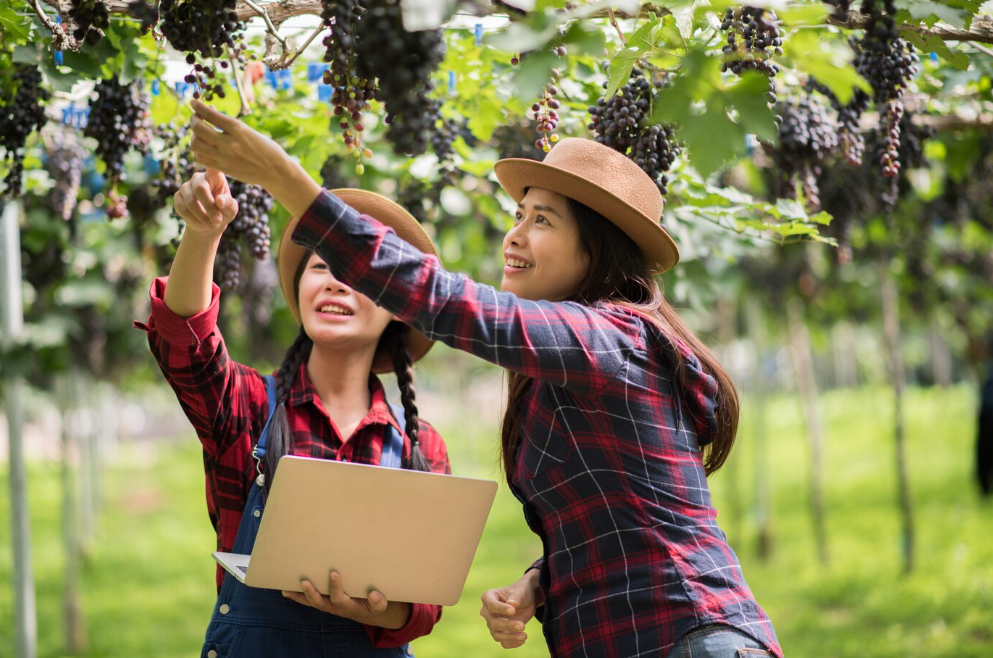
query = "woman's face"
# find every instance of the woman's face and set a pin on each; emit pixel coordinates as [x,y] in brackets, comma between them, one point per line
[333,314]
[543,255]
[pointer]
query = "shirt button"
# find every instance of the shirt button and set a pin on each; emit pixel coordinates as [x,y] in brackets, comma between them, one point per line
[212,654]
[256,514]
[225,609]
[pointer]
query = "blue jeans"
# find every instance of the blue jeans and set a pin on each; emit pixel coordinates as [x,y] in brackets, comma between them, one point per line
[717,641]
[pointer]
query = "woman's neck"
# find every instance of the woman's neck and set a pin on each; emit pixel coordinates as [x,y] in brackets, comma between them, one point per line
[341,378]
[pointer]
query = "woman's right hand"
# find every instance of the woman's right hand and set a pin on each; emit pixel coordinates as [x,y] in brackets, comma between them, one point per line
[205,203]
[507,609]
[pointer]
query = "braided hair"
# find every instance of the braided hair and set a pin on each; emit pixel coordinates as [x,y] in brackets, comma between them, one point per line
[393,340]
[279,427]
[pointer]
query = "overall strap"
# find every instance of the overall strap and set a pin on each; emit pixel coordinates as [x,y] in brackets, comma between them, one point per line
[259,451]
[393,441]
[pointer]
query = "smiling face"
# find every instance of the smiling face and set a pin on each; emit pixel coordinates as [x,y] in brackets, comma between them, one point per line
[333,314]
[543,254]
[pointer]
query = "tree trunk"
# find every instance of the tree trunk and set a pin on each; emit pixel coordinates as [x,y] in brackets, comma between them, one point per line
[807,385]
[11,326]
[75,631]
[736,511]
[845,362]
[891,331]
[763,472]
[941,357]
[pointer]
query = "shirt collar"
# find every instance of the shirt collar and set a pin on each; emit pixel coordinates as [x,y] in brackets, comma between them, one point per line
[303,392]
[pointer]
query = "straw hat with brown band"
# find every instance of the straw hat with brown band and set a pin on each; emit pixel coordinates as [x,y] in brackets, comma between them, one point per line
[390,214]
[602,179]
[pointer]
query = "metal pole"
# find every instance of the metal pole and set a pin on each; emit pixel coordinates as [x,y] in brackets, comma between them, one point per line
[12,318]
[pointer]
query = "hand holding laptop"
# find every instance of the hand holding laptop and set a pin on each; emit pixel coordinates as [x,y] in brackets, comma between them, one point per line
[373,611]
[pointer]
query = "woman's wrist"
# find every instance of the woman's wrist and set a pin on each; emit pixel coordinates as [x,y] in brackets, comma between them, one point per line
[292,186]
[532,579]
[396,616]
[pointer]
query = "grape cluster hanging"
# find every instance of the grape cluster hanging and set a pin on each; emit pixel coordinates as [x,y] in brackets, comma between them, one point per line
[622,123]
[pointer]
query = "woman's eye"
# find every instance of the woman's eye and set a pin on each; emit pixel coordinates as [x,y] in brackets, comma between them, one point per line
[541,218]
[518,218]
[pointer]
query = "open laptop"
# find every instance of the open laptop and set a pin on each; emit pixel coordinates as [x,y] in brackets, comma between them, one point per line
[408,534]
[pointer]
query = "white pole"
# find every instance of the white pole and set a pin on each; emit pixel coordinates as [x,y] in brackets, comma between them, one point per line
[12,318]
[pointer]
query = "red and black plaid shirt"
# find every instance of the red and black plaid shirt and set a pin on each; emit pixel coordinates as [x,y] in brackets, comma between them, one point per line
[609,468]
[228,406]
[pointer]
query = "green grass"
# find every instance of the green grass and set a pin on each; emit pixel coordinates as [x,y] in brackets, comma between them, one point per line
[860,605]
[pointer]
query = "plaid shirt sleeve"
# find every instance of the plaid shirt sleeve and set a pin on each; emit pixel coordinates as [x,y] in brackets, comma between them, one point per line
[219,396]
[575,346]
[422,617]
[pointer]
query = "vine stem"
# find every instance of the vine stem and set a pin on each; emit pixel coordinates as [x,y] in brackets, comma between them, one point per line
[268,23]
[246,109]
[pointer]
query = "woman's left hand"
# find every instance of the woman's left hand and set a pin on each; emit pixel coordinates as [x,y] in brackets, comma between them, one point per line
[373,611]
[230,146]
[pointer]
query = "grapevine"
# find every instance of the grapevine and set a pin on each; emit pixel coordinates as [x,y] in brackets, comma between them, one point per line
[21,113]
[204,30]
[753,39]
[806,138]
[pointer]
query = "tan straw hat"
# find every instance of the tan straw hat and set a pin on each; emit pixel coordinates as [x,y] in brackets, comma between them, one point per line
[390,214]
[606,181]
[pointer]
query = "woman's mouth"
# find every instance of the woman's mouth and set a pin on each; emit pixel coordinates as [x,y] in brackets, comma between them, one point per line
[514,265]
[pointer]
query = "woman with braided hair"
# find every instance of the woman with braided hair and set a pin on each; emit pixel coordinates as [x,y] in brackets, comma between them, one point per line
[328,404]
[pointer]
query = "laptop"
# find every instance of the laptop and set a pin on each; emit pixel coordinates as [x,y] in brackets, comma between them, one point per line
[407,534]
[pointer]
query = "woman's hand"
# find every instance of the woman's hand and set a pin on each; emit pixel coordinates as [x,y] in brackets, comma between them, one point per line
[228,145]
[205,203]
[507,609]
[373,611]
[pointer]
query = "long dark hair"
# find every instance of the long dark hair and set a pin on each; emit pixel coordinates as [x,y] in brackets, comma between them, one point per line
[393,341]
[618,273]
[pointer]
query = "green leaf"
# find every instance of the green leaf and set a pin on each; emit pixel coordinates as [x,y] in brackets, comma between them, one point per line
[426,14]
[486,118]
[749,98]
[699,102]
[930,43]
[811,54]
[924,9]
[522,36]
[620,69]
[15,27]
[533,73]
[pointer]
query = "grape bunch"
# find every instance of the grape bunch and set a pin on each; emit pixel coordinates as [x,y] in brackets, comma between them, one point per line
[901,146]
[203,29]
[332,177]
[841,8]
[65,168]
[351,93]
[227,264]
[622,123]
[252,222]
[175,163]
[22,112]
[806,138]
[147,13]
[402,63]
[90,17]
[888,63]
[119,122]
[753,39]
[851,143]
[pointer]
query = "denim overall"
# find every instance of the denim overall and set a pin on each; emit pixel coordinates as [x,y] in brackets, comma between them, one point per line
[249,622]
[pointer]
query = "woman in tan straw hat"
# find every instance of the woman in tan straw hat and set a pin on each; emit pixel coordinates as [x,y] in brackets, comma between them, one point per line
[616,411]
[324,401]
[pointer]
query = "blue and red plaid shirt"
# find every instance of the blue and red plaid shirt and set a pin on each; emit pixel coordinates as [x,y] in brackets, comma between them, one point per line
[227,404]
[609,469]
